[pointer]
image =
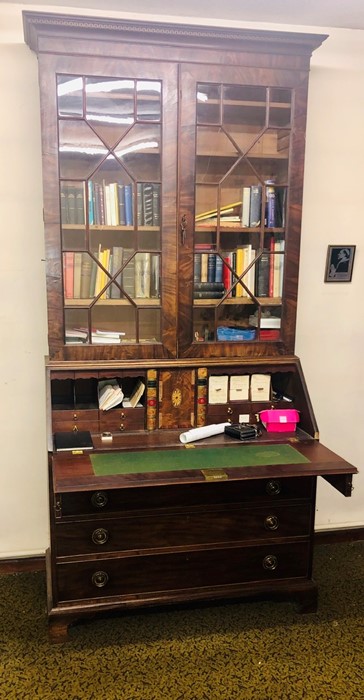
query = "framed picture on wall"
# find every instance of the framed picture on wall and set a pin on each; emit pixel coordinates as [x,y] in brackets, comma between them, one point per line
[339,263]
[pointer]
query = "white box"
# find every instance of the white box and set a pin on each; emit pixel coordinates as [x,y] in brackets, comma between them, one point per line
[260,387]
[218,388]
[239,387]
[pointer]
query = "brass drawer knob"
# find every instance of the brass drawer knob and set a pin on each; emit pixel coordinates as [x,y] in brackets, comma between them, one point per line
[75,416]
[100,579]
[122,415]
[100,536]
[99,499]
[121,426]
[273,488]
[270,562]
[229,411]
[271,522]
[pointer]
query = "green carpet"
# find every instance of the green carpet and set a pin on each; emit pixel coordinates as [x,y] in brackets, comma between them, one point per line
[105,464]
[247,651]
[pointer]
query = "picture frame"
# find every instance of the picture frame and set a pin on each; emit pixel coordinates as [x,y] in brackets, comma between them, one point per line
[339,263]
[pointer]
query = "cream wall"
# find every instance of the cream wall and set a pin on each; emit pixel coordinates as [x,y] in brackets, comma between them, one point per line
[330,332]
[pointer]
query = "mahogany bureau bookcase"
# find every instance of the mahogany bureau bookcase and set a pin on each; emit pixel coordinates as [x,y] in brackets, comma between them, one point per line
[173,173]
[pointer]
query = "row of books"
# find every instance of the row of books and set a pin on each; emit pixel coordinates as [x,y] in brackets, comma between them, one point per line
[84,278]
[110,394]
[110,204]
[215,276]
[247,212]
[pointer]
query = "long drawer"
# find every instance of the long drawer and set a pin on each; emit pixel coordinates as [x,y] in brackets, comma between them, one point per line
[184,495]
[182,529]
[160,573]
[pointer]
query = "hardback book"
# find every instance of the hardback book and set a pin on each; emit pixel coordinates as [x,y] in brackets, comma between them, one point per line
[208,286]
[245,210]
[142,276]
[79,203]
[68,268]
[128,273]
[147,217]
[140,207]
[70,441]
[270,205]
[64,204]
[218,268]
[155,275]
[156,205]
[77,264]
[255,205]
[211,267]
[121,200]
[71,204]
[128,199]
[86,269]
[208,295]
[197,267]
[117,261]
[262,276]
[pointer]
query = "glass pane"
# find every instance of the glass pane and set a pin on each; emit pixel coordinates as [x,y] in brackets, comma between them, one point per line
[279,107]
[233,321]
[76,326]
[139,151]
[111,195]
[244,114]
[208,104]
[149,326]
[110,107]
[113,323]
[267,321]
[69,96]
[148,204]
[148,100]
[80,150]
[72,197]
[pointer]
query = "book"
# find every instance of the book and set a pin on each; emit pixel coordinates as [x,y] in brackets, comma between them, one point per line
[79,203]
[147,212]
[128,272]
[262,276]
[151,400]
[155,275]
[226,209]
[245,212]
[208,295]
[156,205]
[117,261]
[73,441]
[270,205]
[109,394]
[128,201]
[255,205]
[86,269]
[136,394]
[77,264]
[142,276]
[68,267]
[208,287]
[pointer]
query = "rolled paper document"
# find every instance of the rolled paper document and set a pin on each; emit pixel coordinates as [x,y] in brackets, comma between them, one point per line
[204,432]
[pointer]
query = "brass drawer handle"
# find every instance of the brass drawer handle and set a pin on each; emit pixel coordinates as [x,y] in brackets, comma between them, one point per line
[99,499]
[229,410]
[271,522]
[122,415]
[273,488]
[270,562]
[100,536]
[100,579]
[121,427]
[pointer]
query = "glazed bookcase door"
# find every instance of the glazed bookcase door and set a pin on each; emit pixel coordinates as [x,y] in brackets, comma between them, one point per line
[113,142]
[241,214]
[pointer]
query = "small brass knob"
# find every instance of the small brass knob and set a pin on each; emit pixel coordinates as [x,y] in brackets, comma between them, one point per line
[121,426]
[75,429]
[229,410]
[75,416]
[100,536]
[270,562]
[99,499]
[271,522]
[122,415]
[100,579]
[273,488]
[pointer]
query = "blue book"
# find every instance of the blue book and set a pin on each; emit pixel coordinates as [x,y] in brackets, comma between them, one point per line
[128,198]
[218,268]
[91,213]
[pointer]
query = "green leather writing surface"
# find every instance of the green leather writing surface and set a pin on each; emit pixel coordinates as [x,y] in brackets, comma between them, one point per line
[197,458]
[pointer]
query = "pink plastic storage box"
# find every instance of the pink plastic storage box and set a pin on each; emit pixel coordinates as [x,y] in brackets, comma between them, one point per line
[279,420]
